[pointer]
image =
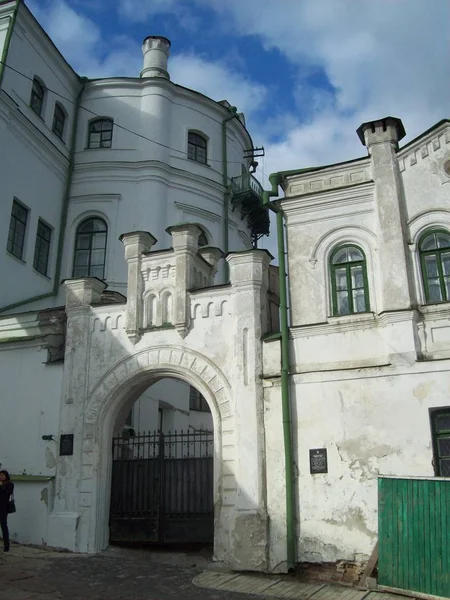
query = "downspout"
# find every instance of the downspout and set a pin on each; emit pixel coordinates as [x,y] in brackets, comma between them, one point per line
[64,210]
[8,38]
[275,179]
[226,193]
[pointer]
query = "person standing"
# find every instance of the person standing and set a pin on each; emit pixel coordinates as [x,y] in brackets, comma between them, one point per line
[6,491]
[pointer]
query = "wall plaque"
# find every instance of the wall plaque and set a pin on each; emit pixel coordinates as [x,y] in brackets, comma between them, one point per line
[318,462]
[66,444]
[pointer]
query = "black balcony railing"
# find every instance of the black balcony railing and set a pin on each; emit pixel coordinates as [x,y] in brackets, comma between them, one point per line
[247,193]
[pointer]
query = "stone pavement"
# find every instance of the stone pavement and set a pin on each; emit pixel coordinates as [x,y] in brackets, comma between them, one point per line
[128,574]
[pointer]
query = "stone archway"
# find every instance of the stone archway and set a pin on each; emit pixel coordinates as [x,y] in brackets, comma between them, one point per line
[119,386]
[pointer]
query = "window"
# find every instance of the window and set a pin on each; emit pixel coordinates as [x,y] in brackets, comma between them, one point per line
[42,247]
[59,119]
[100,133]
[17,228]
[202,239]
[197,148]
[37,97]
[349,281]
[440,428]
[197,401]
[434,249]
[90,249]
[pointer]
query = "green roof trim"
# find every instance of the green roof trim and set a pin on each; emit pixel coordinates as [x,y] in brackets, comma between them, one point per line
[32,478]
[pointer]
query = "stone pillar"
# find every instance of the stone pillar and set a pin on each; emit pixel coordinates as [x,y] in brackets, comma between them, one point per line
[135,244]
[185,245]
[381,138]
[249,275]
[63,522]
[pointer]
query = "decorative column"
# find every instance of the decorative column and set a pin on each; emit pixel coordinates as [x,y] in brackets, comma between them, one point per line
[135,244]
[249,275]
[212,256]
[185,245]
[71,490]
[381,138]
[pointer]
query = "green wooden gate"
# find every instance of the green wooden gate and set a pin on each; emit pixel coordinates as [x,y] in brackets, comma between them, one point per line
[414,534]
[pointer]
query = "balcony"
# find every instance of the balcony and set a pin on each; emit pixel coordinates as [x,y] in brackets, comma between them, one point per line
[247,194]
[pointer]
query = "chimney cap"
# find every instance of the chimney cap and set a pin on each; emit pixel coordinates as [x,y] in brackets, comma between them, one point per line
[157,37]
[385,120]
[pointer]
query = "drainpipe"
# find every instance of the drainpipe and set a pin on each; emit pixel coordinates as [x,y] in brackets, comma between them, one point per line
[8,40]
[226,193]
[275,179]
[64,210]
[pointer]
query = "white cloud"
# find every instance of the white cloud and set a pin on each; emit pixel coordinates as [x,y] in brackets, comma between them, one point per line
[217,80]
[381,57]
[82,44]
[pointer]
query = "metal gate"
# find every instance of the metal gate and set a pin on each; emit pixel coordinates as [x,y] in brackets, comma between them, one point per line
[414,538]
[162,488]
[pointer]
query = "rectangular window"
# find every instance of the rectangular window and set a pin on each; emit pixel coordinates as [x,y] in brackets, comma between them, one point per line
[197,401]
[440,428]
[58,121]
[42,248]
[17,229]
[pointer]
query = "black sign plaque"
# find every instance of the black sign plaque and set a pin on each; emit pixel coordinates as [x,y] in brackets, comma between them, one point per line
[318,462]
[66,444]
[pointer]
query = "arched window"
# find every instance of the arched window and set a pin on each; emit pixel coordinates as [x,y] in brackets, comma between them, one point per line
[434,249]
[349,281]
[197,147]
[59,120]
[90,249]
[100,133]
[202,239]
[37,96]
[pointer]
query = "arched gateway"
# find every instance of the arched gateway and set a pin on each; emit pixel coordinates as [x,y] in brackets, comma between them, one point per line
[211,340]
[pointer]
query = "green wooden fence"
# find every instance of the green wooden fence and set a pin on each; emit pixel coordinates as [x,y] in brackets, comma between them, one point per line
[414,534]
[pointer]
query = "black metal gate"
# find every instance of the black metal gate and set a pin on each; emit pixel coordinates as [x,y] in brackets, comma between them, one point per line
[162,488]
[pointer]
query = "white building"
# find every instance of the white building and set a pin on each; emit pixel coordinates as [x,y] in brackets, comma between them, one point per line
[369,346]
[84,161]
[369,278]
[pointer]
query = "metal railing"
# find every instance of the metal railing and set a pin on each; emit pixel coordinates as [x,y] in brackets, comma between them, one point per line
[245,183]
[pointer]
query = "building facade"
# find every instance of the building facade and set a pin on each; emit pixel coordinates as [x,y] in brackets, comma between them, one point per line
[153,235]
[368,252]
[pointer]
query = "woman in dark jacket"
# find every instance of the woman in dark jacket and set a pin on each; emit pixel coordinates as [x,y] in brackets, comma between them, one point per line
[6,490]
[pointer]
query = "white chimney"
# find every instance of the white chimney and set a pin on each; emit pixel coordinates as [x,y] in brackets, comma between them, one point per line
[156,50]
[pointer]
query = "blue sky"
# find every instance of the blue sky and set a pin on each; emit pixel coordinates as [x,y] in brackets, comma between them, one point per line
[306,73]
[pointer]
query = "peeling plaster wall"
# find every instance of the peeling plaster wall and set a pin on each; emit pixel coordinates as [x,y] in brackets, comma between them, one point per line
[370,423]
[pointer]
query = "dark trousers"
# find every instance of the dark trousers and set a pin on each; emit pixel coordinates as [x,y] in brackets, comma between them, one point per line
[5,530]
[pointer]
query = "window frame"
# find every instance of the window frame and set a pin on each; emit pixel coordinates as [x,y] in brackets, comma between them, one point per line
[332,269]
[197,402]
[434,413]
[197,147]
[34,94]
[59,106]
[38,247]
[101,145]
[12,221]
[90,248]
[438,252]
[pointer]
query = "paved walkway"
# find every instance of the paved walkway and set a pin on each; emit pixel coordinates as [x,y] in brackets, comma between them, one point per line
[128,574]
